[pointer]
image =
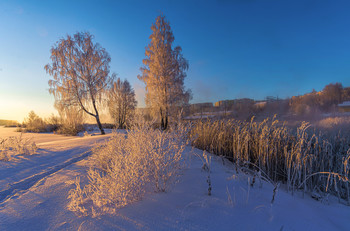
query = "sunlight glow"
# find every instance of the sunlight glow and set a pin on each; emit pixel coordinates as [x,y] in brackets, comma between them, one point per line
[19,109]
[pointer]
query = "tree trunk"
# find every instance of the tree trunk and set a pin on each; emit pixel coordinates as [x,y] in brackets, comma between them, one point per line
[166,122]
[119,123]
[162,124]
[100,125]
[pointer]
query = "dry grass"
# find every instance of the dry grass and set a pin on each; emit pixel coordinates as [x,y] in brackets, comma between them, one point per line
[312,162]
[13,146]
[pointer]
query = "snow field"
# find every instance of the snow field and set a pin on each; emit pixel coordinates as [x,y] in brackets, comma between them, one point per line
[233,205]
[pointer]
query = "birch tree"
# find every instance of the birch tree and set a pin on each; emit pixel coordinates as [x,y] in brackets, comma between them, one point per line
[80,71]
[121,102]
[163,72]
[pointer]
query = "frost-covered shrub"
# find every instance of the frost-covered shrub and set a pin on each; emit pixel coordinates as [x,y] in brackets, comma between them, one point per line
[9,123]
[52,123]
[69,122]
[127,166]
[77,198]
[13,146]
[69,129]
[34,123]
[71,119]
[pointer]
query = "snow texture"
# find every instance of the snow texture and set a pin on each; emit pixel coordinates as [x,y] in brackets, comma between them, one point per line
[34,194]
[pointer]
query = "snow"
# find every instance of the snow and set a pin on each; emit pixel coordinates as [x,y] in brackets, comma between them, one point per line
[344,104]
[34,190]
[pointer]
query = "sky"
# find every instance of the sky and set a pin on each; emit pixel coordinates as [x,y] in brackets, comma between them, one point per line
[235,49]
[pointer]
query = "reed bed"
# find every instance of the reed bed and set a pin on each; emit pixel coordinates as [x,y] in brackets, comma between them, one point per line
[301,158]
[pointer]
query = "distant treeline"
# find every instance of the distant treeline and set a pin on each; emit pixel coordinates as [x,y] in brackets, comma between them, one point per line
[9,123]
[313,103]
[322,101]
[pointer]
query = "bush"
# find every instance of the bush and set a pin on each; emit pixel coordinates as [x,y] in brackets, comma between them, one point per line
[9,123]
[126,166]
[108,126]
[13,146]
[33,123]
[53,123]
[71,119]
[70,122]
[70,129]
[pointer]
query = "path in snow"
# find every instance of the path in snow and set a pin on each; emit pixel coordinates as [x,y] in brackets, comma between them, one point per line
[25,184]
[53,155]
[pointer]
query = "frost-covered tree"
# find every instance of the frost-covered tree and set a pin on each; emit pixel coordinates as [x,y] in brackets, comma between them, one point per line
[332,94]
[71,118]
[163,72]
[34,123]
[80,71]
[121,102]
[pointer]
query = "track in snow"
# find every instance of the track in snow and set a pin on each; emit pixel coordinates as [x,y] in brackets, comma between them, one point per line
[23,185]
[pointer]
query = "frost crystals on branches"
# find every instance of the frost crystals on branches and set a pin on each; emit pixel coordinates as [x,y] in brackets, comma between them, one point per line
[80,71]
[164,72]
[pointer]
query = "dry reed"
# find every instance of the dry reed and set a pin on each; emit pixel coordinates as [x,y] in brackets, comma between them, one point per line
[302,159]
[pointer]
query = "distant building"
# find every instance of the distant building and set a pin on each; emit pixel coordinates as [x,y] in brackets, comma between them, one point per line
[232,102]
[271,98]
[260,105]
[344,106]
[224,103]
[201,105]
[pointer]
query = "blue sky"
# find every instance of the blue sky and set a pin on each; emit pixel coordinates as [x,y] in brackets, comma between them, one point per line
[238,48]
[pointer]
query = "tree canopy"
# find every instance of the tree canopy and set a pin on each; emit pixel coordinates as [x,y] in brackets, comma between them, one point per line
[163,72]
[80,71]
[121,102]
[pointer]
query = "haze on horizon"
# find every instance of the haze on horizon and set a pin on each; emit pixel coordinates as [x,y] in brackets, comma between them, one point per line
[235,49]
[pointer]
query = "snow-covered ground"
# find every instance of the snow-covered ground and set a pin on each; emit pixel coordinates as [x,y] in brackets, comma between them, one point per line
[34,190]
